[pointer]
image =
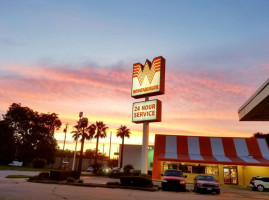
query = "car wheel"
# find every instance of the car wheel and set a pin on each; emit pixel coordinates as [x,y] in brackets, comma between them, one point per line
[163,188]
[218,192]
[195,189]
[260,188]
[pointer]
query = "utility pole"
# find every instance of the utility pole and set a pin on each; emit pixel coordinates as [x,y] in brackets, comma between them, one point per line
[65,131]
[110,144]
[75,152]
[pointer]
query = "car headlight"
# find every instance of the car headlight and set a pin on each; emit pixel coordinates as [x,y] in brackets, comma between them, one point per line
[164,180]
[182,182]
[199,184]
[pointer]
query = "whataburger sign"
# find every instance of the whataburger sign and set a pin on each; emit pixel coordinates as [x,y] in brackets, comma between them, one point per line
[148,80]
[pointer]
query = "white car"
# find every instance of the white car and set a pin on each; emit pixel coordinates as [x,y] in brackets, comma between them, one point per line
[259,183]
[15,163]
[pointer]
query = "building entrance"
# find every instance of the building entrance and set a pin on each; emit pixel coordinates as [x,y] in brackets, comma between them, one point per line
[230,175]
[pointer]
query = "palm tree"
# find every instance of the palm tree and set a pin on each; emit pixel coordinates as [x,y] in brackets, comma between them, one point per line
[85,133]
[100,133]
[122,132]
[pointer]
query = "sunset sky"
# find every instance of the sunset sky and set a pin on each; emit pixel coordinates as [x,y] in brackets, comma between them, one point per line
[72,56]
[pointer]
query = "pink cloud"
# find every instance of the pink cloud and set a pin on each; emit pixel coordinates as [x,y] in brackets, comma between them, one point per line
[206,97]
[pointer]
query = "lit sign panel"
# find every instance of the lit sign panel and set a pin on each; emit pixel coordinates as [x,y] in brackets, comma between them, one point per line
[148,80]
[147,111]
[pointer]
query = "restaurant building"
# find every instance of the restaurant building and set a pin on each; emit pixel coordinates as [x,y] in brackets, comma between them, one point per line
[230,160]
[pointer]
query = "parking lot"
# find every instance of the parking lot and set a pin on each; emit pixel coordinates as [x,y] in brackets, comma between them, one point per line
[21,189]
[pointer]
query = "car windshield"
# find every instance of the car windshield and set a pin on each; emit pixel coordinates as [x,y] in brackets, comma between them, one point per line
[173,173]
[206,178]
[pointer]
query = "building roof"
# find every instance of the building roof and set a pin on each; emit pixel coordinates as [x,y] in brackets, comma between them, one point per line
[256,108]
[213,150]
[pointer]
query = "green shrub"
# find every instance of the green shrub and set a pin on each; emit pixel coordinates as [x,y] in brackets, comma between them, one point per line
[136,172]
[127,169]
[33,178]
[136,181]
[113,183]
[63,175]
[59,175]
[145,175]
[80,181]
[43,176]
[70,180]
[39,163]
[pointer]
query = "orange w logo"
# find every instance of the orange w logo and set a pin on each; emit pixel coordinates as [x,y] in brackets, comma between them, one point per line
[148,70]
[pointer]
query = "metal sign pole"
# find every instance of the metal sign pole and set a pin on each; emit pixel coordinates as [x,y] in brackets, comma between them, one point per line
[144,162]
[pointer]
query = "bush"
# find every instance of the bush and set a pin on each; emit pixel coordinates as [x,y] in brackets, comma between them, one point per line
[113,183]
[33,178]
[43,176]
[146,176]
[136,172]
[127,169]
[39,163]
[70,180]
[136,181]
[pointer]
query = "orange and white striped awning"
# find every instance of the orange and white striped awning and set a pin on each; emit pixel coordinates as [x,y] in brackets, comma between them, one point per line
[215,150]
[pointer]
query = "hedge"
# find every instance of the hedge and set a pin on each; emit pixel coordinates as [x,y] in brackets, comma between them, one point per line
[136,181]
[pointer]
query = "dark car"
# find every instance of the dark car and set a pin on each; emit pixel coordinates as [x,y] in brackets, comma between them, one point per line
[173,179]
[206,183]
[259,183]
[116,172]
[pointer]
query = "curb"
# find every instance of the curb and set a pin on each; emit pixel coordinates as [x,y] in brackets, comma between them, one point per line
[153,189]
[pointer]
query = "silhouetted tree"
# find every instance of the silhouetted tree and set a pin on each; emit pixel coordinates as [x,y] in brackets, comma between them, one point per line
[33,132]
[262,135]
[100,133]
[7,143]
[90,153]
[85,133]
[123,132]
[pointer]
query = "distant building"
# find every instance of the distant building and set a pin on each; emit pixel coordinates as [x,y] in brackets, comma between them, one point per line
[132,155]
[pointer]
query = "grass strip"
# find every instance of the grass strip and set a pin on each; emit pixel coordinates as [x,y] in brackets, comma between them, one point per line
[19,176]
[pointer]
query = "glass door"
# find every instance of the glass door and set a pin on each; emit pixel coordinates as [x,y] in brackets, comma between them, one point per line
[230,175]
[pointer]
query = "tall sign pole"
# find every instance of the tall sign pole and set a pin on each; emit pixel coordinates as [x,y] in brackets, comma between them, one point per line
[148,80]
[145,144]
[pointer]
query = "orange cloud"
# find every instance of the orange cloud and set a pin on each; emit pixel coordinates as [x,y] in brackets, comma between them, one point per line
[197,102]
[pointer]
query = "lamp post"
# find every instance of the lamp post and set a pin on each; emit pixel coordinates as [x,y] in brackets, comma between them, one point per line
[75,152]
[65,130]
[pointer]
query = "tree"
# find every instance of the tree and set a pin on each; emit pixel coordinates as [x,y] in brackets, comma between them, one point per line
[33,132]
[90,153]
[7,143]
[123,132]
[85,133]
[100,133]
[262,135]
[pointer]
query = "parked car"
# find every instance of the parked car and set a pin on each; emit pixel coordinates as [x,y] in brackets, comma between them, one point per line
[173,179]
[15,163]
[90,169]
[259,183]
[116,172]
[206,183]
